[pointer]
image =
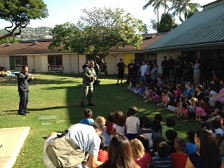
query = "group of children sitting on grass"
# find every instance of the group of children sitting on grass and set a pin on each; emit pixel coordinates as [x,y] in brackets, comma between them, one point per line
[153,144]
[198,103]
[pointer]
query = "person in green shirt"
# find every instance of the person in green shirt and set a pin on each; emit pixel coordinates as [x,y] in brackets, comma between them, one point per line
[89,76]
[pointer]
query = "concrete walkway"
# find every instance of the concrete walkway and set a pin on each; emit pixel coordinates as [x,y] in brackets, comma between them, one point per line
[12,140]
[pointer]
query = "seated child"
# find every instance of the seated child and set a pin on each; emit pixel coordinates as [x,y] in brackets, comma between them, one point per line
[87,117]
[170,123]
[177,93]
[132,123]
[119,123]
[200,113]
[102,154]
[191,147]
[179,158]
[102,122]
[171,135]
[184,113]
[166,100]
[163,159]
[140,157]
[179,105]
[110,123]
[192,102]
[217,128]
[146,131]
[156,128]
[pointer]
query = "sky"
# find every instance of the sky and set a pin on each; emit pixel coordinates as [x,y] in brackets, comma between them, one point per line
[61,11]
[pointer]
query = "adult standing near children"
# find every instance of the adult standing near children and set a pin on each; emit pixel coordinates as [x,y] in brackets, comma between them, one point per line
[89,76]
[165,64]
[197,72]
[120,67]
[23,79]
[130,71]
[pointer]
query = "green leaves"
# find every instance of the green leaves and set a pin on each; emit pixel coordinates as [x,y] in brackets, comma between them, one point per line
[99,30]
[20,12]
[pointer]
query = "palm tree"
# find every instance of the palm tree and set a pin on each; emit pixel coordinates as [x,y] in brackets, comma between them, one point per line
[156,4]
[184,8]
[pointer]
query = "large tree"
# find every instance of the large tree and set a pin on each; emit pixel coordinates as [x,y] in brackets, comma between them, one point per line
[97,32]
[184,8]
[19,13]
[166,23]
[157,4]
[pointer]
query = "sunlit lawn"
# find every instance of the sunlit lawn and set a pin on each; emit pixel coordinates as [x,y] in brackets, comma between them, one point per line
[54,105]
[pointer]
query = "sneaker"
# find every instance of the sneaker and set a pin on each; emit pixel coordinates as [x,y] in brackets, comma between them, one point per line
[91,104]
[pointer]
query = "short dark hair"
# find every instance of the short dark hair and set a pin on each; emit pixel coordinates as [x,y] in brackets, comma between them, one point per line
[88,113]
[190,136]
[163,149]
[171,135]
[24,66]
[158,117]
[132,110]
[146,123]
[170,122]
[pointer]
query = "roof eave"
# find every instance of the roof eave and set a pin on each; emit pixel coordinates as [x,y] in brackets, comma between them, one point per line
[187,46]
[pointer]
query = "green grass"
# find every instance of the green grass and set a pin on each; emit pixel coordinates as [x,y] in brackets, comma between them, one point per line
[59,96]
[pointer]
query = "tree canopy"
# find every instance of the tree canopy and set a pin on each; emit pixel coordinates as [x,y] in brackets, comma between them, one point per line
[97,31]
[19,13]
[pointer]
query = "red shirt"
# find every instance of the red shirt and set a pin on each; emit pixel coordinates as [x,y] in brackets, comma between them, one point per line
[110,128]
[179,159]
[102,156]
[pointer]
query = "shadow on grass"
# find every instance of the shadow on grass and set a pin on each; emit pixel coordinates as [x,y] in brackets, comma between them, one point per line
[48,79]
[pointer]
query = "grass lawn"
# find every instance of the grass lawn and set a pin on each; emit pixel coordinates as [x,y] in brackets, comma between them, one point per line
[54,106]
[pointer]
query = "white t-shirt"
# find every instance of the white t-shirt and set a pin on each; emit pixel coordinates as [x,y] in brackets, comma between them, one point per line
[119,129]
[132,124]
[144,69]
[213,93]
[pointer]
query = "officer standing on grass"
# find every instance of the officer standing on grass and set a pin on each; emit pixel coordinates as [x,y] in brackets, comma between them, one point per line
[89,76]
[23,79]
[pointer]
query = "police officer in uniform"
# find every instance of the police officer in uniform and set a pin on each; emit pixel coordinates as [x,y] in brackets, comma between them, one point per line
[89,76]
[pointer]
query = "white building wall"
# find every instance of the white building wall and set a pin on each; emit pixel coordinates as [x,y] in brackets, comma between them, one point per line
[112,61]
[44,63]
[4,62]
[81,61]
[70,63]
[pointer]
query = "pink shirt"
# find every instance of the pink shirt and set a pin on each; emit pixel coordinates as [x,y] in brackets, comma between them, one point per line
[178,93]
[144,161]
[200,111]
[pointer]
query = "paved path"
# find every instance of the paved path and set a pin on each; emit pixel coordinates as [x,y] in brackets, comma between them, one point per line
[12,140]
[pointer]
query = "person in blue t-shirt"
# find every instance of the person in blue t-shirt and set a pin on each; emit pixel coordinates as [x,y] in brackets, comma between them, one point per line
[88,117]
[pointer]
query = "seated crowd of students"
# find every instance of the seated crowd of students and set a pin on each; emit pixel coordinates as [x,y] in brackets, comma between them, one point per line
[133,142]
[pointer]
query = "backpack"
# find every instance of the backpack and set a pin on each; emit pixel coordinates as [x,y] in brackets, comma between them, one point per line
[63,152]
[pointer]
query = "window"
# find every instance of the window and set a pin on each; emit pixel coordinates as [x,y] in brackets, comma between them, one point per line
[16,62]
[54,62]
[55,59]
